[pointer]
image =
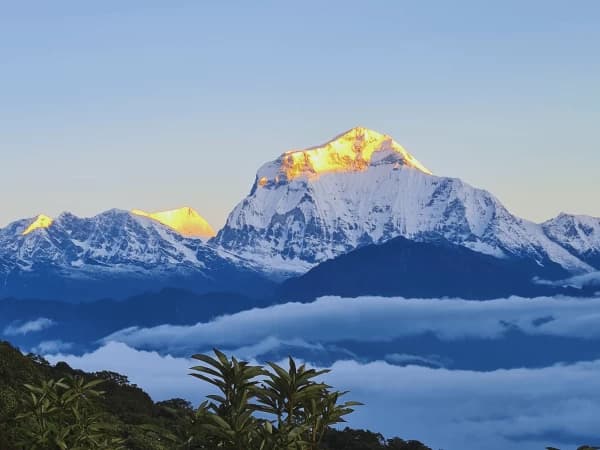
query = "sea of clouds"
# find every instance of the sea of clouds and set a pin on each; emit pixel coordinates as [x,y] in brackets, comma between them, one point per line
[415,396]
[31,326]
[375,319]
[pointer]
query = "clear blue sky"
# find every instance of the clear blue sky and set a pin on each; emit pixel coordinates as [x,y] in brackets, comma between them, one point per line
[157,104]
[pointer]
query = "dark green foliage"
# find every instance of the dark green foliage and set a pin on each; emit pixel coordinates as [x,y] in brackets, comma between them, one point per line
[270,408]
[61,408]
[583,447]
[227,419]
[63,414]
[15,369]
[353,440]
[127,410]
[400,444]
[349,439]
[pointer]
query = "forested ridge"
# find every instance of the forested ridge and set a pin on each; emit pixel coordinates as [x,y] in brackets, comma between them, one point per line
[121,416]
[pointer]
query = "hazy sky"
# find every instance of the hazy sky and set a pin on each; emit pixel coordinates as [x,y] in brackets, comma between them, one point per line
[158,104]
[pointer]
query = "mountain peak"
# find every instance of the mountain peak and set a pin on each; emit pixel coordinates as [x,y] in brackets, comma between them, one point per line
[42,221]
[352,151]
[185,221]
[357,132]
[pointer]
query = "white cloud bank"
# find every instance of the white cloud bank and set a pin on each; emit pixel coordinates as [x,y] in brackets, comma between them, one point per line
[449,409]
[32,326]
[375,319]
[590,279]
[53,346]
[163,377]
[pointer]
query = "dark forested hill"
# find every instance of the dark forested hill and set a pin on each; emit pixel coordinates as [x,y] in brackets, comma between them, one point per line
[406,268]
[132,415]
[125,405]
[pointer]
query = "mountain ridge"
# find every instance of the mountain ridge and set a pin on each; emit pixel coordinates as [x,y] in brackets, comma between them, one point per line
[359,188]
[186,221]
[115,253]
[294,223]
[410,269]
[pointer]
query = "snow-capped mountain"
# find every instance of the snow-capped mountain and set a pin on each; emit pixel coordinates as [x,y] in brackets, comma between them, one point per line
[133,252]
[362,187]
[305,207]
[579,234]
[186,221]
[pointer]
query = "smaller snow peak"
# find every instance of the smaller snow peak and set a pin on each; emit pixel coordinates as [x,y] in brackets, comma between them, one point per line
[352,151]
[42,221]
[186,221]
[563,216]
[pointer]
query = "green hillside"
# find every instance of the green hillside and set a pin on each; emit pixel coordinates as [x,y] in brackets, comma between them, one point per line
[123,416]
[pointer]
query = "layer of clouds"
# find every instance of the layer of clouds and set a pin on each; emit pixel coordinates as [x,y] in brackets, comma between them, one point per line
[162,376]
[32,326]
[52,346]
[375,319]
[591,279]
[273,344]
[520,409]
[406,359]
[517,408]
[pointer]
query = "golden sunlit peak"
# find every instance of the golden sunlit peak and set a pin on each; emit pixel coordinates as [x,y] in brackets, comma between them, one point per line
[42,221]
[185,221]
[354,150]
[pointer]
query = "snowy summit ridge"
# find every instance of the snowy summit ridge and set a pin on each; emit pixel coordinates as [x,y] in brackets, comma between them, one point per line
[362,187]
[352,151]
[186,221]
